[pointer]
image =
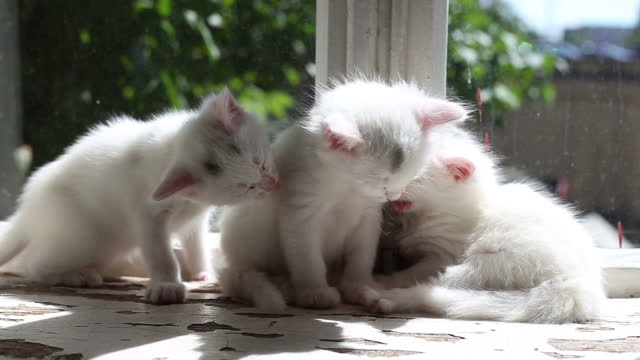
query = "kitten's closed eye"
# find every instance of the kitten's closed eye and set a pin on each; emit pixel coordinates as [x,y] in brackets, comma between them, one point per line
[234,149]
[397,157]
[213,168]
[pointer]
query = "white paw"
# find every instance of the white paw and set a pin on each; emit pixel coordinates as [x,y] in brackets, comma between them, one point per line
[358,294]
[166,293]
[382,306]
[319,298]
[271,305]
[201,276]
[79,278]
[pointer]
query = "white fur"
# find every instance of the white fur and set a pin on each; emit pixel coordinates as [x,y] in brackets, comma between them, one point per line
[321,228]
[510,252]
[81,214]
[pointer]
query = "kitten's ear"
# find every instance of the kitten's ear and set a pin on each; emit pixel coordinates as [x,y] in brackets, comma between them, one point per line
[223,112]
[177,179]
[459,168]
[343,135]
[435,111]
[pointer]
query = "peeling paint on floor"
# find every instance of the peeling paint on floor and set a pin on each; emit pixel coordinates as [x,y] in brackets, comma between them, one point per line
[115,322]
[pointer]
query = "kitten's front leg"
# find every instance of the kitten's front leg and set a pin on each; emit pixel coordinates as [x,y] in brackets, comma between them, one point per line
[197,259]
[357,284]
[302,242]
[165,286]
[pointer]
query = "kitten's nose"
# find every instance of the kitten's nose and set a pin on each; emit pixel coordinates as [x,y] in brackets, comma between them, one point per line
[269,183]
[393,196]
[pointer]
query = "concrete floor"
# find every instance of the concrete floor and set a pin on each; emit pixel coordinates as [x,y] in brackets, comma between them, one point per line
[114,322]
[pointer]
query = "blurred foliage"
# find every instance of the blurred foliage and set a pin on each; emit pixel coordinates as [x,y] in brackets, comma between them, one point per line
[633,41]
[490,49]
[83,61]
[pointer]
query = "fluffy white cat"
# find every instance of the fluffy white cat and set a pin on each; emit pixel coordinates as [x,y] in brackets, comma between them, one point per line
[129,184]
[487,250]
[314,240]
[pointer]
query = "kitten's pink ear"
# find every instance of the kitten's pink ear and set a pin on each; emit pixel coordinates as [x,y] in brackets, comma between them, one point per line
[176,180]
[342,134]
[436,111]
[459,168]
[223,112]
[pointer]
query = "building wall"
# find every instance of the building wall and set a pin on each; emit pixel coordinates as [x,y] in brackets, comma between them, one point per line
[590,136]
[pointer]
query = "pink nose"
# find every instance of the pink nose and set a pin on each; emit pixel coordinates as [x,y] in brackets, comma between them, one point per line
[269,183]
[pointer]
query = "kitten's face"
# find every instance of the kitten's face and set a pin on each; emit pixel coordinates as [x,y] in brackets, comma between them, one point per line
[440,178]
[375,136]
[224,157]
[379,167]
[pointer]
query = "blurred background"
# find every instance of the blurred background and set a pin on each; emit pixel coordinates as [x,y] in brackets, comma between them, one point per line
[557,81]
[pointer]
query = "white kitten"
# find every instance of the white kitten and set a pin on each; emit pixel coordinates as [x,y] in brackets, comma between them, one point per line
[510,252]
[130,183]
[362,142]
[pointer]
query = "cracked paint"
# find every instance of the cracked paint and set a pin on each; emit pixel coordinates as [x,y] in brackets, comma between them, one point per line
[21,349]
[210,326]
[427,336]
[263,336]
[371,352]
[628,344]
[114,322]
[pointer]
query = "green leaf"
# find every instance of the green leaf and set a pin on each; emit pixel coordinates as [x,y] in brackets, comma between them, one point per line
[163,7]
[292,75]
[548,92]
[85,36]
[506,95]
[213,52]
[228,3]
[128,92]
[126,63]
[141,5]
[168,28]
[176,99]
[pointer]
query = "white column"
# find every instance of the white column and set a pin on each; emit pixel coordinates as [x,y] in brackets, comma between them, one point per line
[393,39]
[9,105]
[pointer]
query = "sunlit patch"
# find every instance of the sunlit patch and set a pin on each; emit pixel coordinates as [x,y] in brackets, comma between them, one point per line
[16,311]
[179,347]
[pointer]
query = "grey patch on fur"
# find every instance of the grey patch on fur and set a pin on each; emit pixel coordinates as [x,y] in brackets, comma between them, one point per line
[234,149]
[213,168]
[397,157]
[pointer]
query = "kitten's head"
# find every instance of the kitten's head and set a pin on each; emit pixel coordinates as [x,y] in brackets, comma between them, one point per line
[223,156]
[440,182]
[375,135]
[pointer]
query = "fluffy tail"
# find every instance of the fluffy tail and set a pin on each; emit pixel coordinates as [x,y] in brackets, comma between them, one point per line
[554,301]
[254,286]
[11,243]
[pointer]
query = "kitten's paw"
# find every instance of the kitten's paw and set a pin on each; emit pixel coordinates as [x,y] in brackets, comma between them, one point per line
[79,278]
[382,306]
[271,305]
[359,294]
[320,298]
[166,293]
[201,276]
